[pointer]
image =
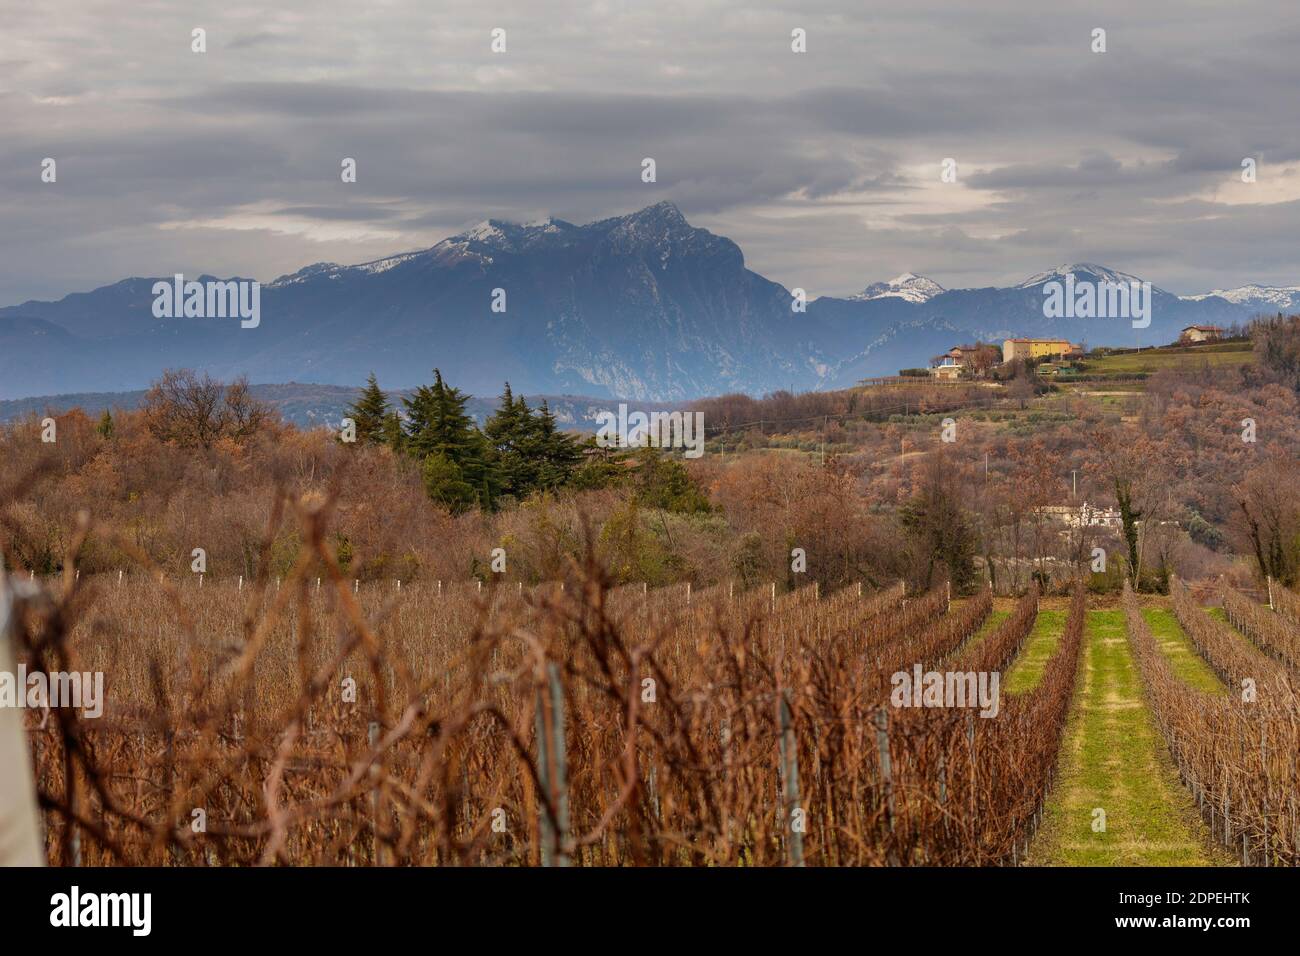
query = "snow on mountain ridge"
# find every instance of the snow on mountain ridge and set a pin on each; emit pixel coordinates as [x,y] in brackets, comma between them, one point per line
[1098,273]
[908,286]
[1283,296]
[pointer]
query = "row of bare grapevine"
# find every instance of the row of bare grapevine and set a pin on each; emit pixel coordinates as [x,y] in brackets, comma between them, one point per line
[928,646]
[953,787]
[1285,601]
[1238,758]
[1271,633]
[1000,648]
[901,621]
[1232,658]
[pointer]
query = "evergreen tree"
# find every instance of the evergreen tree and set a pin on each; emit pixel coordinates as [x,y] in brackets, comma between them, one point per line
[438,425]
[370,413]
[532,454]
[436,420]
[560,451]
[445,483]
[394,436]
[105,427]
[663,482]
[507,430]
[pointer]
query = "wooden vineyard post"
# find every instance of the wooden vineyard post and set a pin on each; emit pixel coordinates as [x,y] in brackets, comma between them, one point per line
[788,748]
[551,770]
[881,720]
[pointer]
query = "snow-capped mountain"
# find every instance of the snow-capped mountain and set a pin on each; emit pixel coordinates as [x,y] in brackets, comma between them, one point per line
[1255,296]
[908,286]
[1082,271]
[643,307]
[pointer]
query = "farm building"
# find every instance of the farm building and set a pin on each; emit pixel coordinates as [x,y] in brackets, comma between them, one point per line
[1013,349]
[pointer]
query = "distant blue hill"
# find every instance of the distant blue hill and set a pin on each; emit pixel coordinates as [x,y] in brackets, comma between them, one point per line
[310,406]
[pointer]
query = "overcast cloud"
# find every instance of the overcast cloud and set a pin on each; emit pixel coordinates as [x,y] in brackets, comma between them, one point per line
[823,166]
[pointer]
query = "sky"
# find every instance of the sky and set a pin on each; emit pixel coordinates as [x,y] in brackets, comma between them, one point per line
[824,166]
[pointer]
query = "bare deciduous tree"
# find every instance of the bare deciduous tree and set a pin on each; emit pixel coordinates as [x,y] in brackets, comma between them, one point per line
[190,410]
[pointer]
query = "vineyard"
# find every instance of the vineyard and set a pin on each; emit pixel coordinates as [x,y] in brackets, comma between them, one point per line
[313,720]
[1236,753]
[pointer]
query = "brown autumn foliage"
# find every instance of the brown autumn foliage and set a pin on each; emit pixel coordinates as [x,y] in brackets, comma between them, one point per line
[833,486]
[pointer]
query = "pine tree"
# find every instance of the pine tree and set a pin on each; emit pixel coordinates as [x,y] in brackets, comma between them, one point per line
[370,413]
[105,427]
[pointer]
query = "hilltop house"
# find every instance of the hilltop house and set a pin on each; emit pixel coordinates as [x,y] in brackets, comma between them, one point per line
[1201,333]
[1013,349]
[950,364]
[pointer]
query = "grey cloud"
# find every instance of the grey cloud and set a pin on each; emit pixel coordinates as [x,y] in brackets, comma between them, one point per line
[809,162]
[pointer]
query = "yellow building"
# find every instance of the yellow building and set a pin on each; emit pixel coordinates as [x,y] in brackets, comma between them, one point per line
[1034,348]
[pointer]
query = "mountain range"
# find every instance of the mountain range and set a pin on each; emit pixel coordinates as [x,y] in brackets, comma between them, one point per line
[643,306]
